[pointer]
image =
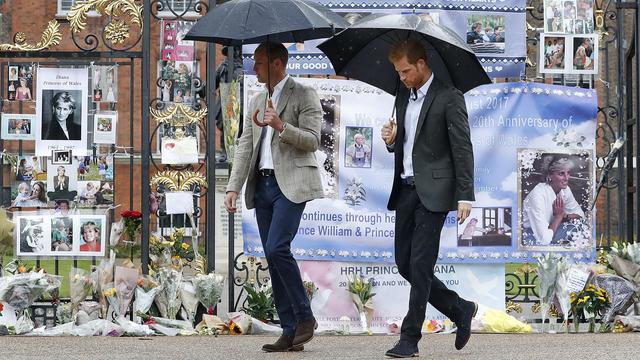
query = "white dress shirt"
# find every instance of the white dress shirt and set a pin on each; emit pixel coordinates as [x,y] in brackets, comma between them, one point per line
[411,117]
[266,160]
[411,125]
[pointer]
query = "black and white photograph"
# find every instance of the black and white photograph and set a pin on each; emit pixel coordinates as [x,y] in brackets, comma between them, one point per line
[61,157]
[62,110]
[486,226]
[61,234]
[33,235]
[555,200]
[18,127]
[104,127]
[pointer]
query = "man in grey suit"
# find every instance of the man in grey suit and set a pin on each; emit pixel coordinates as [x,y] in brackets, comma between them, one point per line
[433,175]
[277,158]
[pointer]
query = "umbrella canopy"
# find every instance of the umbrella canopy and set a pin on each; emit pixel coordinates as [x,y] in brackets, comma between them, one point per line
[360,52]
[240,22]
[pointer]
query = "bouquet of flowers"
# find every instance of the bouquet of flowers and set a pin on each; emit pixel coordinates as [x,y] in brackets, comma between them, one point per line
[189,299]
[562,289]
[23,289]
[125,283]
[168,298]
[80,285]
[132,223]
[589,303]
[109,293]
[175,247]
[310,288]
[548,272]
[362,294]
[103,275]
[260,303]
[146,292]
[209,289]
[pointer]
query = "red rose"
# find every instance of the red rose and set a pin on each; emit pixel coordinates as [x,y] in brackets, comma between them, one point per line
[136,214]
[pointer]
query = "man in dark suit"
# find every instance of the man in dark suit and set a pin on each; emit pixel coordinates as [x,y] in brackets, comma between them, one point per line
[61,126]
[433,175]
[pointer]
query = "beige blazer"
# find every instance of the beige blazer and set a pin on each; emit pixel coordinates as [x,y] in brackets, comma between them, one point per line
[293,150]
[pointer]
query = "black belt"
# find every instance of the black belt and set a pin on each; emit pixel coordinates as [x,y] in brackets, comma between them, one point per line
[408,181]
[266,172]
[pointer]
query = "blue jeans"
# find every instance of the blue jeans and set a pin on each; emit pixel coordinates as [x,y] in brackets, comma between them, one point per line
[278,221]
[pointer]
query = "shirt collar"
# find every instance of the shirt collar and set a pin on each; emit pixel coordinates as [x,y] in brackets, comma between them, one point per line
[422,91]
[278,88]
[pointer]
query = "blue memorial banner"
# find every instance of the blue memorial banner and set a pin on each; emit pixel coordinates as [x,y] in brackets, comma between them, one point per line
[530,140]
[493,29]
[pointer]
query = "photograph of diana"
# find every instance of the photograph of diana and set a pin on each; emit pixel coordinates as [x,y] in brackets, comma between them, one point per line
[555,191]
[61,115]
[91,233]
[33,235]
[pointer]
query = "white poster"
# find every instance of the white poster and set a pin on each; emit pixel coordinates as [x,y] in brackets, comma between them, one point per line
[61,109]
[104,127]
[481,283]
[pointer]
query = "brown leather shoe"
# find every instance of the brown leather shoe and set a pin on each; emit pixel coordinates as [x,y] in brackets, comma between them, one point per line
[283,344]
[304,331]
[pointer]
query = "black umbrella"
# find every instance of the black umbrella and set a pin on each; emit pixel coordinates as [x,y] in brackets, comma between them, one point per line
[254,21]
[360,52]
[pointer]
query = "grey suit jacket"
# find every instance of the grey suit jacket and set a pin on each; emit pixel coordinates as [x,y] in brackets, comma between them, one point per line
[293,150]
[442,150]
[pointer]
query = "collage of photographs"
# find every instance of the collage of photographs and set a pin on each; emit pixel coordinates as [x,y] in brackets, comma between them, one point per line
[19,82]
[568,44]
[61,235]
[63,181]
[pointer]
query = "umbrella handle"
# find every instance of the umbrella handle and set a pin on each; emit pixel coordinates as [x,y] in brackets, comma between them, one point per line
[255,114]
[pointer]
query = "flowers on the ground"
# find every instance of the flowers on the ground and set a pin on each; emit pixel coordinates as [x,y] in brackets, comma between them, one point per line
[172,251]
[310,288]
[589,303]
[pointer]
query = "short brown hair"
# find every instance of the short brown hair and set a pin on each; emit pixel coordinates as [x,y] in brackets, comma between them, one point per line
[411,48]
[275,51]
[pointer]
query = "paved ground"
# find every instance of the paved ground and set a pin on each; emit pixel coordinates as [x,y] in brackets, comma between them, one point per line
[481,347]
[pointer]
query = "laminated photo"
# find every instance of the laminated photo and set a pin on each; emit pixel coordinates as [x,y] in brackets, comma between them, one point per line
[18,127]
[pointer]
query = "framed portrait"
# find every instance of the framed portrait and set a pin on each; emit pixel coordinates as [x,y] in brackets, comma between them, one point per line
[62,108]
[555,190]
[104,127]
[33,235]
[487,226]
[90,230]
[18,127]
[358,147]
[61,157]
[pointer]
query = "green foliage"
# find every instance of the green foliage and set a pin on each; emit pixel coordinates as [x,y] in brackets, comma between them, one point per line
[260,304]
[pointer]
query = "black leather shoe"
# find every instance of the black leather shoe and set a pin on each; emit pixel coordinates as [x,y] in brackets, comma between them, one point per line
[304,331]
[464,324]
[403,349]
[283,344]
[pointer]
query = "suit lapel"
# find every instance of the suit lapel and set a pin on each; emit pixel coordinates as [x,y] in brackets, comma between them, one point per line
[285,95]
[401,109]
[428,100]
